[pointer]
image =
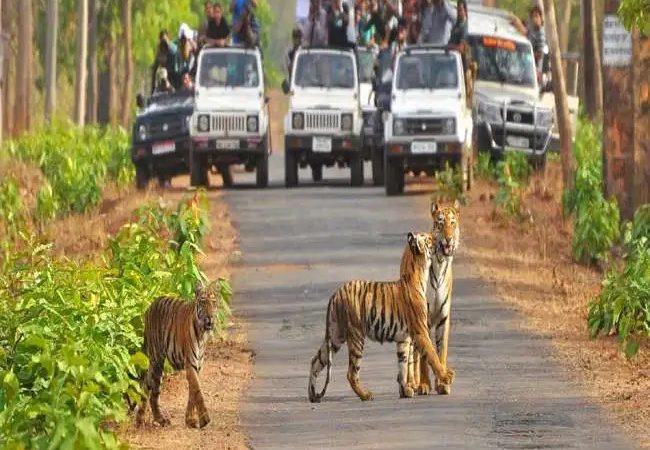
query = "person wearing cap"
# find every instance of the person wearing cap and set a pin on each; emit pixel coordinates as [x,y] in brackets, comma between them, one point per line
[186,54]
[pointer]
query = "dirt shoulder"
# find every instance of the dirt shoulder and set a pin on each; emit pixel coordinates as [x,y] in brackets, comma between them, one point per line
[227,367]
[531,267]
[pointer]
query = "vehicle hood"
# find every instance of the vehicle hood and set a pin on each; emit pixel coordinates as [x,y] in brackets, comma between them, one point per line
[228,100]
[497,93]
[324,99]
[426,102]
[185,106]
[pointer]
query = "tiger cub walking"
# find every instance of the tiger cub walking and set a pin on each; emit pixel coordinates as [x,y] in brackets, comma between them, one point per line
[384,312]
[446,234]
[178,330]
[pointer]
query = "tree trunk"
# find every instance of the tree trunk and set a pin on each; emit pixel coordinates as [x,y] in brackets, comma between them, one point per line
[559,91]
[23,58]
[112,81]
[91,103]
[127,88]
[82,54]
[2,78]
[50,57]
[592,67]
[9,86]
[565,7]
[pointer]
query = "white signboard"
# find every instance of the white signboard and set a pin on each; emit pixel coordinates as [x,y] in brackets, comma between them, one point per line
[617,43]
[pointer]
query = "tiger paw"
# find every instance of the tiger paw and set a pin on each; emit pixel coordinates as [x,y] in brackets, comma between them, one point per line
[424,389]
[443,389]
[204,419]
[406,392]
[447,377]
[366,396]
[162,421]
[191,422]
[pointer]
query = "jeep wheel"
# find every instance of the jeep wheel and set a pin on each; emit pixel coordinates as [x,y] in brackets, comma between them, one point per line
[317,172]
[393,176]
[356,170]
[539,161]
[377,166]
[198,171]
[290,169]
[262,170]
[226,174]
[141,176]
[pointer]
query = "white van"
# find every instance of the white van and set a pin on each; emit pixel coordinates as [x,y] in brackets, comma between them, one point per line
[230,121]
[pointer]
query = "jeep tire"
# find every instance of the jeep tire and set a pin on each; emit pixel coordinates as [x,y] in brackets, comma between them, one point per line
[317,172]
[290,169]
[262,170]
[226,174]
[377,161]
[393,176]
[141,176]
[356,170]
[198,171]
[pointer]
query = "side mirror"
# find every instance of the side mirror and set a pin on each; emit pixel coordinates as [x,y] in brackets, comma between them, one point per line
[285,86]
[139,100]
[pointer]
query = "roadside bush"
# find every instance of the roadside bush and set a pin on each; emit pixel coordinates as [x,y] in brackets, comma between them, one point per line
[77,163]
[512,175]
[484,167]
[624,302]
[449,185]
[597,220]
[12,209]
[70,332]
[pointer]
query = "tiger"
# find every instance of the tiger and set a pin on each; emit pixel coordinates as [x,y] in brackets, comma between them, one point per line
[384,312]
[446,232]
[178,330]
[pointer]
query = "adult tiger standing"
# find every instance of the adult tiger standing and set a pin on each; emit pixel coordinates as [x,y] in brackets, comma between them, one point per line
[178,331]
[446,233]
[384,312]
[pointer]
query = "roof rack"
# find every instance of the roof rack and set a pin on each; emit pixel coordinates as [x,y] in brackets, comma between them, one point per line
[328,47]
[237,46]
[409,48]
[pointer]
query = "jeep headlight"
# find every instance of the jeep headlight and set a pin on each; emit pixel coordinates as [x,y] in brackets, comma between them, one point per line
[544,118]
[489,112]
[252,124]
[448,126]
[346,122]
[142,132]
[203,123]
[399,127]
[298,121]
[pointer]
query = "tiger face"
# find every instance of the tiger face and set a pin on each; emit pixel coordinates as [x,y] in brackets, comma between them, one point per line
[446,227]
[207,302]
[420,243]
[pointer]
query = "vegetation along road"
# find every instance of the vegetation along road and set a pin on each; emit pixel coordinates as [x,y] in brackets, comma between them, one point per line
[297,246]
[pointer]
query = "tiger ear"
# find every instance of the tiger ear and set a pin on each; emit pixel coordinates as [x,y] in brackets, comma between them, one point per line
[412,241]
[435,207]
[199,289]
[457,206]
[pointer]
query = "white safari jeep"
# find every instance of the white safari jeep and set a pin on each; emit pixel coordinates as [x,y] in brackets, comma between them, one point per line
[323,124]
[230,122]
[430,122]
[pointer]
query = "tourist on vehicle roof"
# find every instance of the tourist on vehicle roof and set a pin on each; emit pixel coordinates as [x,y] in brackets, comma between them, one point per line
[187,84]
[296,39]
[163,86]
[534,32]
[362,21]
[338,17]
[437,19]
[207,12]
[314,30]
[458,37]
[245,28]
[186,54]
[218,31]
[165,58]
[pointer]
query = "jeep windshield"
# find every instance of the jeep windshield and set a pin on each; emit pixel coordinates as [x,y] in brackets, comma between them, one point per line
[228,69]
[427,71]
[366,59]
[319,70]
[503,60]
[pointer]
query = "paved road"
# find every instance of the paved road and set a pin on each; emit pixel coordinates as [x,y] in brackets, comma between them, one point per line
[297,246]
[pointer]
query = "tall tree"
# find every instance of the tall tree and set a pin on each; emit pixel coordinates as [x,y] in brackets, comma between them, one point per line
[91,103]
[2,79]
[565,7]
[50,57]
[82,53]
[127,88]
[9,86]
[559,91]
[23,59]
[592,65]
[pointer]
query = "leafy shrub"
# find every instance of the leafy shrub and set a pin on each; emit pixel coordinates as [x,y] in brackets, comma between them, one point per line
[624,302]
[484,166]
[70,333]
[449,184]
[596,219]
[511,173]
[12,209]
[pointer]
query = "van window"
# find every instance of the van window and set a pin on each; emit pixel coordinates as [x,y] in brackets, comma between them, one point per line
[427,71]
[324,71]
[228,69]
[503,60]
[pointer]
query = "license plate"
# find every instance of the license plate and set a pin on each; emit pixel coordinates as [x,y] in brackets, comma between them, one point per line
[163,147]
[516,141]
[227,144]
[321,144]
[424,147]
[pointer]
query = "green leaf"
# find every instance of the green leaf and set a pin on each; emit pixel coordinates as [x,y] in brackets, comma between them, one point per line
[631,348]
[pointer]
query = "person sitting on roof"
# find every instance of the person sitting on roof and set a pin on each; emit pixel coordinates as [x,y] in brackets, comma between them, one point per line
[245,28]
[186,54]
[296,37]
[217,31]
[534,32]
[338,18]
[165,58]
[314,29]
[163,86]
[437,17]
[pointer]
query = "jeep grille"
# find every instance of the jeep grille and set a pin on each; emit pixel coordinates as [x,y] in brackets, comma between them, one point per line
[229,123]
[424,126]
[317,121]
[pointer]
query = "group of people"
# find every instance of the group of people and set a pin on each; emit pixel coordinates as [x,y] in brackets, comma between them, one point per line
[175,62]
